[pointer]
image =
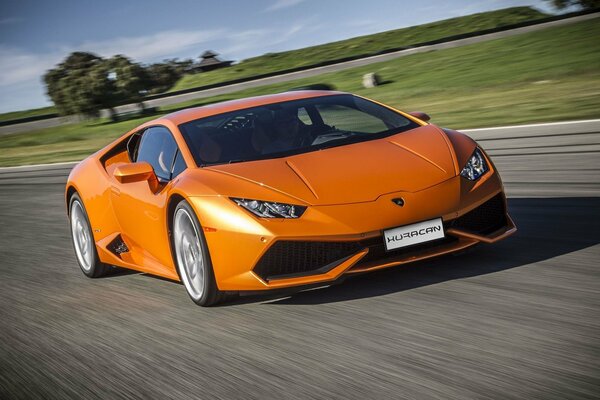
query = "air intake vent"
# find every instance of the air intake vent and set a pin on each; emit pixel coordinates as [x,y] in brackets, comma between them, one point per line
[288,258]
[485,219]
[118,246]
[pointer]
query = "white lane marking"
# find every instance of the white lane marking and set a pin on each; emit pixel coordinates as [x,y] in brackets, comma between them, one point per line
[531,125]
[67,163]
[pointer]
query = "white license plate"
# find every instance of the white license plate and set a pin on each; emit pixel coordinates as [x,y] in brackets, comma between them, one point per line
[408,235]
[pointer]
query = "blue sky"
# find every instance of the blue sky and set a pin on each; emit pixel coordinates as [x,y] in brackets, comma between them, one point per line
[36,35]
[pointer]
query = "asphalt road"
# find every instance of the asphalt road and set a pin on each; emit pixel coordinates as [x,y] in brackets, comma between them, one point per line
[518,319]
[200,94]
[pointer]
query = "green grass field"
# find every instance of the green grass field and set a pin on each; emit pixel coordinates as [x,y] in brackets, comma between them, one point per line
[27,113]
[369,44]
[548,75]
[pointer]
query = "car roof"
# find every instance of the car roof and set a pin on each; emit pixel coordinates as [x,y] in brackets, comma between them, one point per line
[191,114]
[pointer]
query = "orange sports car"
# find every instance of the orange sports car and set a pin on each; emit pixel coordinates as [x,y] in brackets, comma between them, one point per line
[289,190]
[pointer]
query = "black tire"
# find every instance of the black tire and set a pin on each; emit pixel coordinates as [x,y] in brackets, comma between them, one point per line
[96,268]
[207,293]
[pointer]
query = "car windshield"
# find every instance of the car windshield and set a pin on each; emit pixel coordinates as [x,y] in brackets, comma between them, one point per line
[287,128]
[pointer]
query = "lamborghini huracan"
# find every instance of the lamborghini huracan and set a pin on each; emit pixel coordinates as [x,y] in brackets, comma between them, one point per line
[297,189]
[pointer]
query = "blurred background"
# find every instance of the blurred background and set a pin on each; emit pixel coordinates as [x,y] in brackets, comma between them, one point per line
[75,75]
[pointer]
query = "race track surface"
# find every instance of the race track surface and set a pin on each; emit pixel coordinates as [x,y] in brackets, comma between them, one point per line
[518,319]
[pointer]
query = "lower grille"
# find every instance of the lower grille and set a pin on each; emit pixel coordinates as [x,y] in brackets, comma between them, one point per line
[291,258]
[287,258]
[378,253]
[487,218]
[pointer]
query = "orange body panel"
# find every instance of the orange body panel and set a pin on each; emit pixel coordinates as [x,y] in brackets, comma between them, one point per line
[420,166]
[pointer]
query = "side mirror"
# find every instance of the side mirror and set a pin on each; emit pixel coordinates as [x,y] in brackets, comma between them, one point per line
[135,172]
[420,115]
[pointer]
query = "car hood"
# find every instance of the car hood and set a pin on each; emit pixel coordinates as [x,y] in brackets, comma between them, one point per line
[410,161]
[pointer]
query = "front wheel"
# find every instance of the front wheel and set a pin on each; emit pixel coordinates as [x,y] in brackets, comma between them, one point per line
[192,257]
[83,240]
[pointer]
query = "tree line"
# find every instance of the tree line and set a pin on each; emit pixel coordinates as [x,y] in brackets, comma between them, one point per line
[85,83]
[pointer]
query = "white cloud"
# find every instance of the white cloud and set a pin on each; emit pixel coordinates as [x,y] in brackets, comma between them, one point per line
[22,96]
[252,42]
[279,4]
[151,47]
[17,65]
[245,43]
[362,23]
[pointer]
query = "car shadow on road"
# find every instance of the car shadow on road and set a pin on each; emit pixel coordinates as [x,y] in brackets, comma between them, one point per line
[547,228]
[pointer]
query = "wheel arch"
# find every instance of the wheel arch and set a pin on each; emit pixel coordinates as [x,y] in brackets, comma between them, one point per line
[172,202]
[175,199]
[71,190]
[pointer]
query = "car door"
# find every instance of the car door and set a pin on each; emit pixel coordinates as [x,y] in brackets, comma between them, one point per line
[140,207]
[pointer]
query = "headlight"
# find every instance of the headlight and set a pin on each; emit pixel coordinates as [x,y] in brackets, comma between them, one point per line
[268,209]
[476,166]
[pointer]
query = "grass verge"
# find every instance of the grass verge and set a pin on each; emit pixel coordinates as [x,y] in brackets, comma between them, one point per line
[274,62]
[9,116]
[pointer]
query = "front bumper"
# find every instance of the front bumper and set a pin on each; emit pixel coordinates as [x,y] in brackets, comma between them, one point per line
[327,242]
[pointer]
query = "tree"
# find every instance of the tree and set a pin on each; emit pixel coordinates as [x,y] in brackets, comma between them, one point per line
[85,84]
[180,66]
[585,4]
[130,79]
[161,76]
[80,85]
[54,88]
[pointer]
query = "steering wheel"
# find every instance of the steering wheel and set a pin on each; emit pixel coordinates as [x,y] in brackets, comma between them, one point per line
[310,133]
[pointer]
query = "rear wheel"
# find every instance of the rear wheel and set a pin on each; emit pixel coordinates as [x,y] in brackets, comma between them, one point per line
[192,257]
[83,240]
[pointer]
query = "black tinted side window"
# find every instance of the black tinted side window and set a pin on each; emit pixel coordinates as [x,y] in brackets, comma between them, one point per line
[158,148]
